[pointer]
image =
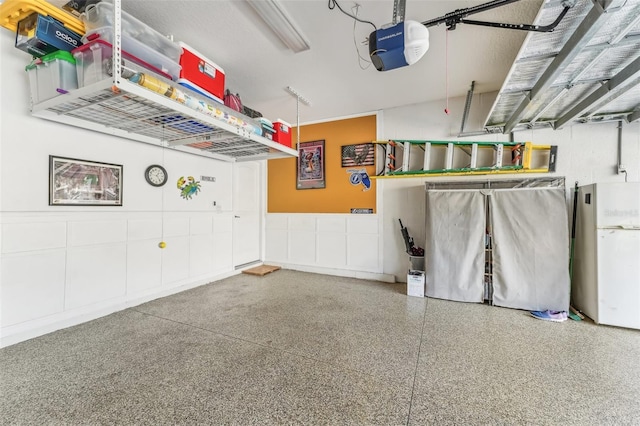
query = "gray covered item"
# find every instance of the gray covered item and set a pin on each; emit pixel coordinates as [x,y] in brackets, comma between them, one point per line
[530,244]
[455,245]
[531,249]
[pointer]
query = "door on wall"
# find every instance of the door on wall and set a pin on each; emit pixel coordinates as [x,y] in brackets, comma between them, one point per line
[246,213]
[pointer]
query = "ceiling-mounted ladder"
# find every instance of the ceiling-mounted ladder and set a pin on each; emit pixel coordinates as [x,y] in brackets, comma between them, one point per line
[464,158]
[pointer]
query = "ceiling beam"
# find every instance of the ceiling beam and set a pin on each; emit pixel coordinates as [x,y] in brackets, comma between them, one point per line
[598,95]
[591,24]
[563,84]
[631,39]
[633,116]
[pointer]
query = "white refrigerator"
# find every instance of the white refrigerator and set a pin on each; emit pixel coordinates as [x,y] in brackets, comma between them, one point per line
[606,269]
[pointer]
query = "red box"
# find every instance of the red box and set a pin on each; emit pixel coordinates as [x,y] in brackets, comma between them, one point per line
[283,132]
[202,74]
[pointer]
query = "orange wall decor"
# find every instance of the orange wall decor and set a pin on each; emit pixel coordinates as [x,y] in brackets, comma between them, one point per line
[339,195]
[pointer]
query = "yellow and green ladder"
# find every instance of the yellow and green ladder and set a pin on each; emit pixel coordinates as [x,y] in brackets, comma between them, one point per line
[456,158]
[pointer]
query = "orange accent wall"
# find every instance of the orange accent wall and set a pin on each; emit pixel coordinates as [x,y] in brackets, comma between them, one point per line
[339,196]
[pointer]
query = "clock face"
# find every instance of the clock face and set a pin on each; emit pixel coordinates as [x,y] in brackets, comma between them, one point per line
[156,175]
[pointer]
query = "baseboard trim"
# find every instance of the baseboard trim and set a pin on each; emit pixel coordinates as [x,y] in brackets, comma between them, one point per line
[30,329]
[363,275]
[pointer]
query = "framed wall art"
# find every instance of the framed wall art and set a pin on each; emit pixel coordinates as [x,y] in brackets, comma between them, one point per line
[74,182]
[310,172]
[358,155]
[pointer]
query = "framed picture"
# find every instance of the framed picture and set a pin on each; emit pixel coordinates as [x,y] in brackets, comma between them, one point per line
[310,170]
[358,155]
[74,182]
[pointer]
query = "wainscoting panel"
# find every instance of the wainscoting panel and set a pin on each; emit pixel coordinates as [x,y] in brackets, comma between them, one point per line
[332,242]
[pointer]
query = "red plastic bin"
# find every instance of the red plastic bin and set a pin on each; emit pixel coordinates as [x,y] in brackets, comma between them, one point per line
[282,133]
[200,73]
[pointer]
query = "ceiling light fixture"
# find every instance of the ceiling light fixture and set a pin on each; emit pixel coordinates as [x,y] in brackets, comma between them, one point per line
[281,23]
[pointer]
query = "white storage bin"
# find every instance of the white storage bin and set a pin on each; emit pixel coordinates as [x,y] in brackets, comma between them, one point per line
[137,49]
[415,283]
[52,75]
[94,63]
[100,15]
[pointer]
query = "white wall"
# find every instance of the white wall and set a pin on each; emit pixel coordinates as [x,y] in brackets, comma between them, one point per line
[61,265]
[334,244]
[587,153]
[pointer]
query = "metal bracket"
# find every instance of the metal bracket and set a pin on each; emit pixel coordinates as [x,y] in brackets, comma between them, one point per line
[398,11]
[452,19]
[467,107]
[117,41]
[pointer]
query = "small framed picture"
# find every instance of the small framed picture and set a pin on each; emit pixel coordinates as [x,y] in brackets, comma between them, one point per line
[358,155]
[310,170]
[74,182]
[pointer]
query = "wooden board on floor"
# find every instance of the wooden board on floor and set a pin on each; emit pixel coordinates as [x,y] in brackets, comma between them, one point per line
[261,270]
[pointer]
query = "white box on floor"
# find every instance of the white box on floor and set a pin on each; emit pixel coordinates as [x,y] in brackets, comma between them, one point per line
[415,283]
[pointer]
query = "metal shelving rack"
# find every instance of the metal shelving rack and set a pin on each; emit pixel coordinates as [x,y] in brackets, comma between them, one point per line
[121,108]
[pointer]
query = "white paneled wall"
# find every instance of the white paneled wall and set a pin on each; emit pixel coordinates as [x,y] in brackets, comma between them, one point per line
[332,241]
[33,286]
[337,244]
[80,267]
[62,265]
[144,266]
[95,274]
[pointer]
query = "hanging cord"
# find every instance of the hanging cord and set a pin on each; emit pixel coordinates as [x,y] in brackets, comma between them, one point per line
[446,70]
[361,58]
[162,244]
[334,3]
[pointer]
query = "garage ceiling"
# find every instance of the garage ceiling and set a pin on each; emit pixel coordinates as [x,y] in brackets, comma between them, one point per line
[588,70]
[339,83]
[259,66]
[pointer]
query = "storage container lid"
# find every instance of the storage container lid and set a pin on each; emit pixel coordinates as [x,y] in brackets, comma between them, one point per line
[280,120]
[94,40]
[266,121]
[63,55]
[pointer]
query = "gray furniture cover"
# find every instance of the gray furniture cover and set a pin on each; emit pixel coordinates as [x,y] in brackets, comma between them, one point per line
[531,249]
[530,246]
[454,254]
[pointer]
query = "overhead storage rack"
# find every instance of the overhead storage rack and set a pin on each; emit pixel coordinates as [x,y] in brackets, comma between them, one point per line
[122,108]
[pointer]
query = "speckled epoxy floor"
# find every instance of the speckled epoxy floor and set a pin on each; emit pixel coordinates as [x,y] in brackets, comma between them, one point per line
[299,348]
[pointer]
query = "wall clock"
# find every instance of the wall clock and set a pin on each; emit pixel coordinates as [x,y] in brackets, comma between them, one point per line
[156,175]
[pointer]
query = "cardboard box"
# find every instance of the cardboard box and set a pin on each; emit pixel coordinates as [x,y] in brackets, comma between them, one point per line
[415,283]
[40,35]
